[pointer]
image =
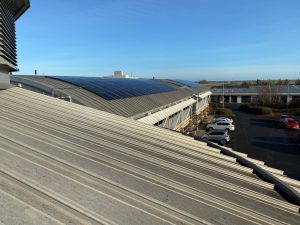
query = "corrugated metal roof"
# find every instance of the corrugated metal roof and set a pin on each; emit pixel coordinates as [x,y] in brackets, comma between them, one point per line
[165,113]
[62,163]
[128,107]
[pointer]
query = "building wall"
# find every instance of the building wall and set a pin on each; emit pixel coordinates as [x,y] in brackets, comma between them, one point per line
[182,118]
[281,98]
[4,80]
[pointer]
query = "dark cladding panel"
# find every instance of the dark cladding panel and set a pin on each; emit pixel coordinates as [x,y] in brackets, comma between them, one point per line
[7,33]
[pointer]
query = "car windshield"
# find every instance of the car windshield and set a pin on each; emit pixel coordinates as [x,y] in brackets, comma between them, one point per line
[217,132]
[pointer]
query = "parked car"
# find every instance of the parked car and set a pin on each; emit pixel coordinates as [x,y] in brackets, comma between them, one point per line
[222,119]
[290,123]
[219,136]
[283,118]
[220,126]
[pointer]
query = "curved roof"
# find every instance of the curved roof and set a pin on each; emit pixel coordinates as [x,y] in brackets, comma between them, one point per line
[187,83]
[117,88]
[20,7]
[63,163]
[128,107]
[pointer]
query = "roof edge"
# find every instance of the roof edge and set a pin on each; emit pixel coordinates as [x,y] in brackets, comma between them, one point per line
[21,10]
[289,192]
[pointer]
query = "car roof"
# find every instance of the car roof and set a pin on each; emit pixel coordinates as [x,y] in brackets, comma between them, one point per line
[284,116]
[217,131]
[223,121]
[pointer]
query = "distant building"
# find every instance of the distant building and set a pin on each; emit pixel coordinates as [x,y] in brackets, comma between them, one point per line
[10,11]
[283,94]
[119,73]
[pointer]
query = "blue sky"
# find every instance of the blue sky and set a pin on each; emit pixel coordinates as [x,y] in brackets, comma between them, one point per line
[187,39]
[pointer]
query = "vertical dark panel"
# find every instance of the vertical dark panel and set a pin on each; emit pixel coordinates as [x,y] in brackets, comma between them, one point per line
[7,33]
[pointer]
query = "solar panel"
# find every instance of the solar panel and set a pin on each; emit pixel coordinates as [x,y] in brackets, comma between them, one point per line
[117,88]
[186,82]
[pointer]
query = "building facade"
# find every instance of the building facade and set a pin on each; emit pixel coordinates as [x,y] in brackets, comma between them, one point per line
[10,11]
[279,94]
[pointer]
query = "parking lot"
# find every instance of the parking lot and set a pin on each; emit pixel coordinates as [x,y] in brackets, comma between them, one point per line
[262,138]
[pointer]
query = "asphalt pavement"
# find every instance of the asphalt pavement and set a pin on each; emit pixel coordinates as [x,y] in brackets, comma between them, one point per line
[262,138]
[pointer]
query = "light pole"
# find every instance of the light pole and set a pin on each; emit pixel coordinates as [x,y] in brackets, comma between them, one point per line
[288,96]
[223,96]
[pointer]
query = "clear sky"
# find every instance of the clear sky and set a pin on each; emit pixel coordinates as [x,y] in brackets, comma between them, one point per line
[187,39]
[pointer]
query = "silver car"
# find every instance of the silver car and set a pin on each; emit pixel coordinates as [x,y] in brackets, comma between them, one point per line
[220,136]
[222,119]
[220,126]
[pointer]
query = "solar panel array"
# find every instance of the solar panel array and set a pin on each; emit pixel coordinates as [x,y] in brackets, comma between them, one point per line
[185,82]
[117,88]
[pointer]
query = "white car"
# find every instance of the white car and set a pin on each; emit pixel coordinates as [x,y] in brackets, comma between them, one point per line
[222,119]
[220,126]
[283,118]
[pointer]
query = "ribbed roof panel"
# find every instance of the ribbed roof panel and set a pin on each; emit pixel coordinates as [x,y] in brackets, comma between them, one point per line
[62,163]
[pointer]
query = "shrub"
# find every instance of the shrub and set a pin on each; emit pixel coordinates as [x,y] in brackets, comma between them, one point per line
[297,111]
[244,107]
[212,108]
[265,110]
[224,112]
[261,110]
[284,111]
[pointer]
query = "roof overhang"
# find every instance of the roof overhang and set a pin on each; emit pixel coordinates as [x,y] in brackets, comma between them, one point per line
[165,113]
[20,7]
[206,94]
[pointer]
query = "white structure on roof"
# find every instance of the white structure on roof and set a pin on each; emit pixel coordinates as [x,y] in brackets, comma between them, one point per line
[205,95]
[181,114]
[165,113]
[10,11]
[121,74]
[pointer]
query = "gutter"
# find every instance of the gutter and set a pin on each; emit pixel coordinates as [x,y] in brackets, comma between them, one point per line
[282,187]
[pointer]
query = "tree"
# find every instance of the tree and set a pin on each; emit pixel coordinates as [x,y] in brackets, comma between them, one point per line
[258,82]
[263,97]
[279,82]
